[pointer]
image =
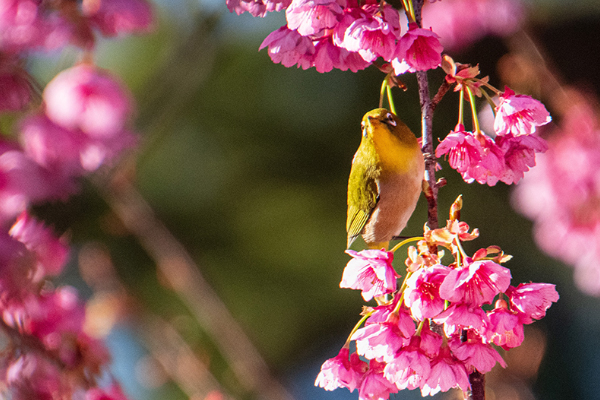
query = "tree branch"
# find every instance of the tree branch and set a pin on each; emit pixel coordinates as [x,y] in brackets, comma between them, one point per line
[183,275]
[476,379]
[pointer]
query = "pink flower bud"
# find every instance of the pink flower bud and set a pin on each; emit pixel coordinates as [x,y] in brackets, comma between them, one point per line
[87,98]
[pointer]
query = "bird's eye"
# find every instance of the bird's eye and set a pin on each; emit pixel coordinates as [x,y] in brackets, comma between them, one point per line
[389,119]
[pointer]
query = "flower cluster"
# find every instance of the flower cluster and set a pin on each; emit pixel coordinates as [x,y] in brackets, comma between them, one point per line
[345,34]
[507,156]
[561,194]
[462,22]
[81,125]
[432,332]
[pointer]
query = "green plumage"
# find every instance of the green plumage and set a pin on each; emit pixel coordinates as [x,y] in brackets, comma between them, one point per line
[385,179]
[362,201]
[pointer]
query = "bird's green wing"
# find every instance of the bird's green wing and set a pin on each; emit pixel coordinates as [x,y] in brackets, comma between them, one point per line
[363,194]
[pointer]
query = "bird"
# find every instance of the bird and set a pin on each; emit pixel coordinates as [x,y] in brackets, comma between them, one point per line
[385,180]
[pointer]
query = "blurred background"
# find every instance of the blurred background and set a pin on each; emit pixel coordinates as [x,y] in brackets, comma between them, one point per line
[236,200]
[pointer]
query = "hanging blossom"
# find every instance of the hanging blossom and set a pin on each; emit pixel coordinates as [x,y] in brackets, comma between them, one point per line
[417,50]
[511,152]
[345,35]
[398,340]
[82,124]
[561,195]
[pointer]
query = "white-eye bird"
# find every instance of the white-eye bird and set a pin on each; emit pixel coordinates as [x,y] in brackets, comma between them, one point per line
[385,180]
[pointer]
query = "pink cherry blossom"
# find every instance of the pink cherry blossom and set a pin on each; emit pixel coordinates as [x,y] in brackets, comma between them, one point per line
[69,153]
[519,114]
[22,182]
[446,372]
[313,17]
[289,48]
[422,293]
[372,33]
[410,368]
[17,263]
[371,272]
[431,342]
[87,98]
[462,316]
[27,24]
[257,8]
[475,353]
[15,86]
[505,329]
[560,194]
[342,371]
[463,149]
[477,157]
[492,166]
[116,17]
[30,376]
[419,48]
[53,314]
[329,56]
[531,300]
[374,385]
[51,253]
[476,284]
[54,148]
[113,392]
[382,312]
[382,340]
[519,155]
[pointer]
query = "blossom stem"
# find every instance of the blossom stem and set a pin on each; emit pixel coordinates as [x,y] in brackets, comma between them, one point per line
[427,149]
[402,287]
[384,85]
[420,328]
[461,251]
[473,110]
[358,325]
[390,98]
[490,101]
[483,82]
[405,241]
[410,10]
[477,391]
[431,186]
[442,90]
[461,107]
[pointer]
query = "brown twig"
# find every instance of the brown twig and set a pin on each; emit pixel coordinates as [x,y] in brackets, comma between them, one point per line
[431,188]
[476,379]
[183,275]
[164,343]
[443,89]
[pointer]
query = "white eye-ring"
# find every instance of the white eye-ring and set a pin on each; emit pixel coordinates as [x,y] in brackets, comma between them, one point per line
[390,119]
